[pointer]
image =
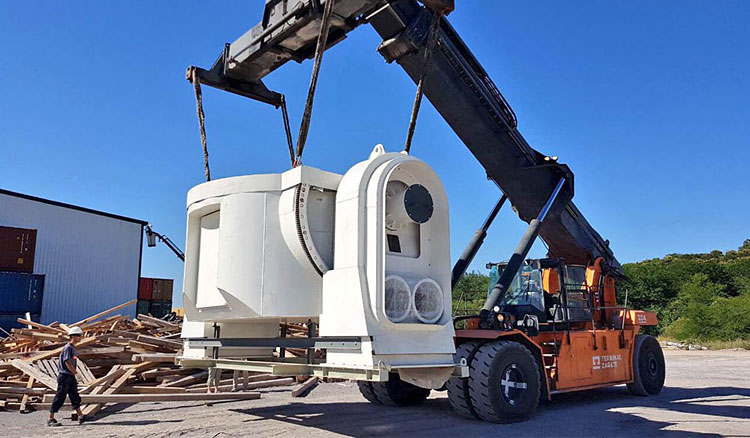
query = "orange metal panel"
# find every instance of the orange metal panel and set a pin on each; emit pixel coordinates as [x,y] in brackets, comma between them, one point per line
[551,281]
[640,317]
[580,365]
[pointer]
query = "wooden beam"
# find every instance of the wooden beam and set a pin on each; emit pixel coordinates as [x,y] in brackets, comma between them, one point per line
[100,314]
[185,381]
[101,324]
[57,351]
[155,390]
[305,388]
[255,385]
[30,371]
[255,378]
[13,382]
[155,357]
[125,334]
[10,356]
[116,387]
[145,398]
[101,351]
[158,322]
[105,380]
[21,391]
[42,326]
[143,366]
[145,347]
[86,376]
[48,367]
[39,334]
[151,374]
[25,399]
[174,345]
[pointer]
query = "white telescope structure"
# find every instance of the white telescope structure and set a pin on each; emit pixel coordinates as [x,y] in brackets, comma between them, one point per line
[364,255]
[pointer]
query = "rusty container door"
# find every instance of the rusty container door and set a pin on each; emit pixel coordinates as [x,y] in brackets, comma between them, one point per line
[17,248]
[146,289]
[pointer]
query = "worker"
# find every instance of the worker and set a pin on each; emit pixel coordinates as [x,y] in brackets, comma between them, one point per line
[236,380]
[67,386]
[214,380]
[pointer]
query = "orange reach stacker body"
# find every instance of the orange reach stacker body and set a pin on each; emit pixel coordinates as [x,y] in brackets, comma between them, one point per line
[555,347]
[577,365]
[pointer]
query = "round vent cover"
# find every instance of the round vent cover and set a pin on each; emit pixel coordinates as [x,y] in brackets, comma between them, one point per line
[397,298]
[428,301]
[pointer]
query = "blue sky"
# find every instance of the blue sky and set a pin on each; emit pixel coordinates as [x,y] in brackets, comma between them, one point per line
[646,101]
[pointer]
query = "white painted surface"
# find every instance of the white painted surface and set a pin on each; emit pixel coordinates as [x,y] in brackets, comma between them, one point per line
[354,290]
[246,258]
[263,269]
[91,262]
[209,251]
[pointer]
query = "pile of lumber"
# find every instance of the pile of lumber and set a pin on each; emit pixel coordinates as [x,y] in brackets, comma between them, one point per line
[121,360]
[296,330]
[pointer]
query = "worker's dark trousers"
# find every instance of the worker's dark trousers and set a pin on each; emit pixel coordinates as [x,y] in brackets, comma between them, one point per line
[66,387]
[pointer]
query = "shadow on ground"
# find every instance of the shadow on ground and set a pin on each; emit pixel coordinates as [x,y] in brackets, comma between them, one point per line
[160,407]
[596,413]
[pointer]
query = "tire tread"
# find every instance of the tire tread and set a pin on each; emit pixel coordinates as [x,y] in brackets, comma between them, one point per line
[458,388]
[479,379]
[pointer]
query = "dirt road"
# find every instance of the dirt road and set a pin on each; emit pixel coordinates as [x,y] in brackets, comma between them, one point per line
[707,393]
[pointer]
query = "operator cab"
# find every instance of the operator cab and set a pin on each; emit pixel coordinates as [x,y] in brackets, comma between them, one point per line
[545,290]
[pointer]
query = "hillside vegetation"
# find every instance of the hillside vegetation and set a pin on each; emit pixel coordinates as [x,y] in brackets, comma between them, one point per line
[698,297]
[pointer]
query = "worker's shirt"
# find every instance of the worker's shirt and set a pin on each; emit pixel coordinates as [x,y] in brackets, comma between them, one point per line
[68,353]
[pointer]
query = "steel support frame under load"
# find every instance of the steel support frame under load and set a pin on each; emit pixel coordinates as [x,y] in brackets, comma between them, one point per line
[300,366]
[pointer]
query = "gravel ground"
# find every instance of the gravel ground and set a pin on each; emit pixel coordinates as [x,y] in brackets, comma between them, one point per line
[707,393]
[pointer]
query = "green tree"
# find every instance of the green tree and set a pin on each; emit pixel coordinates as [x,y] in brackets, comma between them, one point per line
[692,306]
[470,292]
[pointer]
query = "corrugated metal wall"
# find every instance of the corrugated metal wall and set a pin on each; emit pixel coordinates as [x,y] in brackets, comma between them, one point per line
[91,262]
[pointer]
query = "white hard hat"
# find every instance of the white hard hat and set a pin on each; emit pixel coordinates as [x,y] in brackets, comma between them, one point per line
[75,331]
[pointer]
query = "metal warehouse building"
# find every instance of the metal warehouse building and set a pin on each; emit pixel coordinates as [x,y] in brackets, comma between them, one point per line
[91,260]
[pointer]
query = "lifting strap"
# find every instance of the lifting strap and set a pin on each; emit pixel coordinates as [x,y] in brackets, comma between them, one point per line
[287,130]
[430,47]
[325,24]
[201,119]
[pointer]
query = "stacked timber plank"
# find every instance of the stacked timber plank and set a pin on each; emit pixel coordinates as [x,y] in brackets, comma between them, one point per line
[296,330]
[121,360]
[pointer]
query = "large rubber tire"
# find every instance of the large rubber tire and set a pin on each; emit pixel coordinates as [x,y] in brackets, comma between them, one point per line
[458,388]
[504,382]
[365,388]
[649,369]
[395,392]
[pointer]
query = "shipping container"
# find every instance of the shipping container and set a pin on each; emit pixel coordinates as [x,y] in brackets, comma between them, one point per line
[146,289]
[17,248]
[162,289]
[91,259]
[21,292]
[9,321]
[160,309]
[143,307]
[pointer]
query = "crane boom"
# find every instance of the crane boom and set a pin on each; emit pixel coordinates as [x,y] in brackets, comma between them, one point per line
[457,86]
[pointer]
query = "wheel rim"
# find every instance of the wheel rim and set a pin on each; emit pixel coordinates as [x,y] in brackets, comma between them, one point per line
[652,365]
[513,384]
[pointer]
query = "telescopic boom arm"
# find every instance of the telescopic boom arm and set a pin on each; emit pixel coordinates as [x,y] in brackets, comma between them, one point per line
[457,86]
